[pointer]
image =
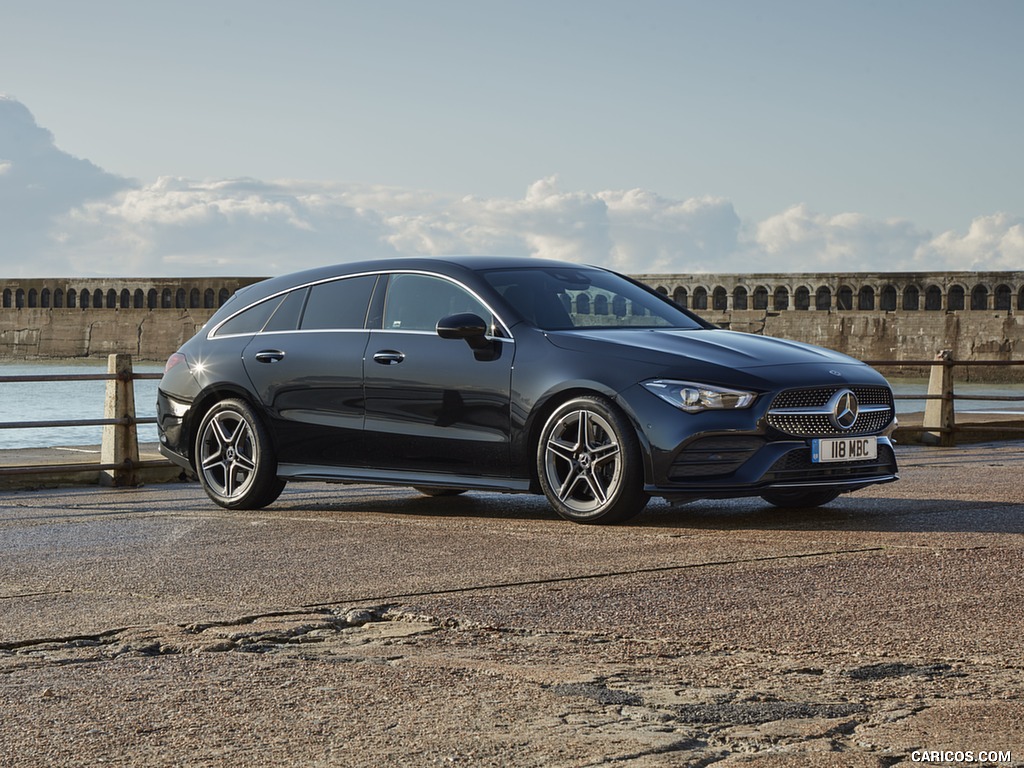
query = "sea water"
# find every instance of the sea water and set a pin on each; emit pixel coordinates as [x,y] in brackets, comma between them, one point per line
[64,401]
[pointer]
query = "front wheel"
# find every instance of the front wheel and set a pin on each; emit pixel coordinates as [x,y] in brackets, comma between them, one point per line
[800,499]
[589,463]
[234,457]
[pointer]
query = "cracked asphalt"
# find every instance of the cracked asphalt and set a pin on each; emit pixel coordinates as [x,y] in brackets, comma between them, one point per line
[370,626]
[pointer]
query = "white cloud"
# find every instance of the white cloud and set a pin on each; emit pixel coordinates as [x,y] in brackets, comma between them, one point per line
[993,243]
[63,216]
[801,240]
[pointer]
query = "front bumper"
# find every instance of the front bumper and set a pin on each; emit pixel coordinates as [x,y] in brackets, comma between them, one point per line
[735,453]
[728,466]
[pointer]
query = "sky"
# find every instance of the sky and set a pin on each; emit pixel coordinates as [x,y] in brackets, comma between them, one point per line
[254,138]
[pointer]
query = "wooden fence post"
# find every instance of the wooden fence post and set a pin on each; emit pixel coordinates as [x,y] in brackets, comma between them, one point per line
[120,441]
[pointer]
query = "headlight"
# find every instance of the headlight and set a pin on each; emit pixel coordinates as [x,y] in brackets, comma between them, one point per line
[694,398]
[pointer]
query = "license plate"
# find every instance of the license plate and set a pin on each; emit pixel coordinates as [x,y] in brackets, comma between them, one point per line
[844,449]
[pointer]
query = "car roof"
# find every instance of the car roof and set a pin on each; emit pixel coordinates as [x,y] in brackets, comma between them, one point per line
[452,266]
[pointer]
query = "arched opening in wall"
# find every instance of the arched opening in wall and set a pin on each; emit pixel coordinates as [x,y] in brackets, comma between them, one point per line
[58,298]
[583,304]
[126,299]
[151,299]
[33,298]
[601,304]
[223,296]
[719,299]
[8,298]
[887,301]
[208,298]
[956,299]
[700,298]
[619,306]
[179,299]
[111,299]
[166,299]
[933,299]
[823,299]
[637,309]
[760,297]
[979,297]
[781,299]
[193,298]
[739,298]
[85,299]
[911,298]
[662,290]
[72,298]
[1020,299]
[866,298]
[1004,298]
[19,299]
[844,298]
[44,298]
[139,299]
[97,299]
[802,298]
[681,297]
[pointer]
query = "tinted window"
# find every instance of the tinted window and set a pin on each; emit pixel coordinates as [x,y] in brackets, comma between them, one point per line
[417,302]
[338,304]
[250,320]
[286,318]
[560,299]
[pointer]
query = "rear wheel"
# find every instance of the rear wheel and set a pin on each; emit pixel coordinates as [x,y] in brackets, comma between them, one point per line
[234,457]
[589,463]
[800,499]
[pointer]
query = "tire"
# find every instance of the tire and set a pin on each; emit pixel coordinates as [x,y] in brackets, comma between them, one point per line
[234,457]
[427,491]
[800,499]
[589,463]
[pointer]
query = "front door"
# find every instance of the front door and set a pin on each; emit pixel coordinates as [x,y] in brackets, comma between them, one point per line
[431,404]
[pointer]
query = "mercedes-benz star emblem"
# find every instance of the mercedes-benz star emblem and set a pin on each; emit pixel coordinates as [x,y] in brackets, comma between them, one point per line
[844,408]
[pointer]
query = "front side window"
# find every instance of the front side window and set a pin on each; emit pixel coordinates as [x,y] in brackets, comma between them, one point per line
[552,298]
[417,302]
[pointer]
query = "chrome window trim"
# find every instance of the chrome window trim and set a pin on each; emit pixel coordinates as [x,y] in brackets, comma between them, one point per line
[212,333]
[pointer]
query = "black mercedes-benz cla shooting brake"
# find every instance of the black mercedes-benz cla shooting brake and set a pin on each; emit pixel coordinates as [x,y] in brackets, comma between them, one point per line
[512,375]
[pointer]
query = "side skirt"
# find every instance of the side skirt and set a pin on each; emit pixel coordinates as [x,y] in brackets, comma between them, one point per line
[386,477]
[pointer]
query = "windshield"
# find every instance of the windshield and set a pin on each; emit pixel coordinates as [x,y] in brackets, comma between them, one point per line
[558,299]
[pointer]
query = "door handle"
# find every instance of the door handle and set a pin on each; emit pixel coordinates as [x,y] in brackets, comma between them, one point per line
[388,357]
[270,356]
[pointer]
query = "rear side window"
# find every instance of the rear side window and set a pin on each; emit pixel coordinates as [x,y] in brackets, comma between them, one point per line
[286,318]
[338,304]
[249,320]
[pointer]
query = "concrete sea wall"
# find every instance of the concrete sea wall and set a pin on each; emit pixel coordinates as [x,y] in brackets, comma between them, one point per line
[893,316]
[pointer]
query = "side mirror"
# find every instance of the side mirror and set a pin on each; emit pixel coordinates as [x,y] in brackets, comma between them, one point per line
[472,329]
[464,325]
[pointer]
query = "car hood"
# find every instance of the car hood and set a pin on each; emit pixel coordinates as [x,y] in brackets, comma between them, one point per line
[713,355]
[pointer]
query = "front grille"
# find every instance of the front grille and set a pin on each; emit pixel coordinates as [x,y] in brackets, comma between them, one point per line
[819,424]
[713,457]
[796,466]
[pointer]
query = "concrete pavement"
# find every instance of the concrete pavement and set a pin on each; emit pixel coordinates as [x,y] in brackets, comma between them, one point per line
[371,626]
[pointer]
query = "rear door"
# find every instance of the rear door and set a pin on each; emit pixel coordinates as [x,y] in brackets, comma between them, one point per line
[307,367]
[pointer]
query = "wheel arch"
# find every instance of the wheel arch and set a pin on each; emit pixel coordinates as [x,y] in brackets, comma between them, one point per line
[546,406]
[204,401]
